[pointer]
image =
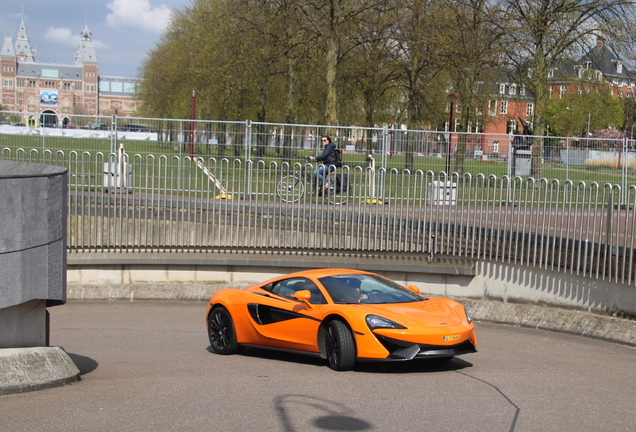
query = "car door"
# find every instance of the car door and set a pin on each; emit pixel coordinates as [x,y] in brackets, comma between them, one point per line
[286,322]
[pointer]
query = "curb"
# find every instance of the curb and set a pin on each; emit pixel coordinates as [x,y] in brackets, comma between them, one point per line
[27,369]
[571,321]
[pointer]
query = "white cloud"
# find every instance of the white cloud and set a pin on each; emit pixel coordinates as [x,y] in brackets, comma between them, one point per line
[65,36]
[62,35]
[138,14]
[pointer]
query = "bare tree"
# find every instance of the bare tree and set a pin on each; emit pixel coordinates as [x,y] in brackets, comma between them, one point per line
[333,22]
[539,34]
[470,55]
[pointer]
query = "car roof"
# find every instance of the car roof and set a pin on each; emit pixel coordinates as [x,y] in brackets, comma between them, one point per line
[318,273]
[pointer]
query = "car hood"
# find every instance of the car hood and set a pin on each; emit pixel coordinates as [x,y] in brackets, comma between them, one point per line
[430,313]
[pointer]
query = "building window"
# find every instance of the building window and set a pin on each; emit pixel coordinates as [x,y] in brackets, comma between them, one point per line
[562,91]
[48,84]
[90,89]
[78,86]
[7,84]
[19,82]
[529,109]
[492,108]
[66,86]
[495,147]
[31,84]
[504,107]
[522,90]
[502,88]
[513,89]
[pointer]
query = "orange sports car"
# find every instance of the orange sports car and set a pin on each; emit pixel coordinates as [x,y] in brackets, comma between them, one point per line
[340,315]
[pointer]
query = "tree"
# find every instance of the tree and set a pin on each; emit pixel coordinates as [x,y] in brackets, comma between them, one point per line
[469,56]
[423,81]
[332,22]
[369,74]
[576,115]
[539,34]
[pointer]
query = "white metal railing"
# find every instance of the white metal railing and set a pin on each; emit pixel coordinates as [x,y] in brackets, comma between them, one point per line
[146,202]
[585,159]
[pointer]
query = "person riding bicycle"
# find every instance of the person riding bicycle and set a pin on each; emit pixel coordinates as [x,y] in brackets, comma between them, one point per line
[328,159]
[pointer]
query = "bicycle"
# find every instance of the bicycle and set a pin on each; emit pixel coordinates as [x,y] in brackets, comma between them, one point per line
[291,188]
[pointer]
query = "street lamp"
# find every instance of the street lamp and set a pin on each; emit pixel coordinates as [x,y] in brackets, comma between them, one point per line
[452,98]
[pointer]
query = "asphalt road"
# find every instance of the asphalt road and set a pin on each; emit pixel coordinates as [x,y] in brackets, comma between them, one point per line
[146,366]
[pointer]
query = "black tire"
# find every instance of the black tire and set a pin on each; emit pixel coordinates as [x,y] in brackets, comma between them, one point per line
[290,189]
[339,346]
[332,193]
[221,332]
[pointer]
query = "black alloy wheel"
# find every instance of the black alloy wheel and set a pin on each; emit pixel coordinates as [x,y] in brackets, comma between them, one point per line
[221,332]
[341,353]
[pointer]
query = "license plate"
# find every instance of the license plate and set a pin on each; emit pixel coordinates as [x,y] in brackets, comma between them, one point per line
[450,338]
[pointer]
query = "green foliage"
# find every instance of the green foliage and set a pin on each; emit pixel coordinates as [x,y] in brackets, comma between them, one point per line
[575,114]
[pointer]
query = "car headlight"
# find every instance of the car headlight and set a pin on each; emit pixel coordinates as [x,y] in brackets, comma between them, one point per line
[374,322]
[468,317]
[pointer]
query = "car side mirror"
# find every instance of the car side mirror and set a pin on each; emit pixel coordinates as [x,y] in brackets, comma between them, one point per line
[304,296]
[413,288]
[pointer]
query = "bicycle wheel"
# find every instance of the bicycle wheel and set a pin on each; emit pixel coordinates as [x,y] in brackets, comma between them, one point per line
[337,191]
[290,188]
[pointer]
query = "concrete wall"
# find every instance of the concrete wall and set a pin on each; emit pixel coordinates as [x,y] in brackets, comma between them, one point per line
[32,249]
[195,276]
[24,325]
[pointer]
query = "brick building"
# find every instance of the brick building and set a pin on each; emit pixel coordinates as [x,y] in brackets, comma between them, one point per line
[53,93]
[510,104]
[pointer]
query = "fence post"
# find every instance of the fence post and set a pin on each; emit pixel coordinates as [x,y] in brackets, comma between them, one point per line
[113,133]
[248,152]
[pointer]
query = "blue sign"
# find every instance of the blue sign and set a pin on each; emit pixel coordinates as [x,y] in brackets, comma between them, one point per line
[48,98]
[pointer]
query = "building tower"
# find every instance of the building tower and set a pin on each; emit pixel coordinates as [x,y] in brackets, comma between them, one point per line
[22,46]
[86,58]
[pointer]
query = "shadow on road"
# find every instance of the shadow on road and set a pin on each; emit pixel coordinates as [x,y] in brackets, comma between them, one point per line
[416,366]
[84,364]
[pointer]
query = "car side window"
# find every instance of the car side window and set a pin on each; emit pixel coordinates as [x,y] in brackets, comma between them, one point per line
[288,287]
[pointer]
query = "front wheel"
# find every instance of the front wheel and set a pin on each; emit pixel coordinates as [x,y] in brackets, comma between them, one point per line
[221,332]
[339,346]
[290,188]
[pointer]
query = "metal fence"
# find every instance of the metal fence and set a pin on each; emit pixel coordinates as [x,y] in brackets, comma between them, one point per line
[564,158]
[147,202]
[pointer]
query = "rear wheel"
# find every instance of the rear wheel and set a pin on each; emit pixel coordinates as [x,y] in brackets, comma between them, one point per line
[290,188]
[221,332]
[339,345]
[334,193]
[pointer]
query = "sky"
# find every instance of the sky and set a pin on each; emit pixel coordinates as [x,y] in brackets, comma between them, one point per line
[124,31]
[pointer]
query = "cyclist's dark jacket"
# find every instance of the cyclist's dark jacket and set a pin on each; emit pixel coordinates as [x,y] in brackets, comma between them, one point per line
[328,156]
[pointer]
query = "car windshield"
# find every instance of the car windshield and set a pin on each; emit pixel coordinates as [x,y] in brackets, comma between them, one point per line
[367,289]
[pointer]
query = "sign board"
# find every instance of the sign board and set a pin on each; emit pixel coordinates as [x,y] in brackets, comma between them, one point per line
[48,97]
